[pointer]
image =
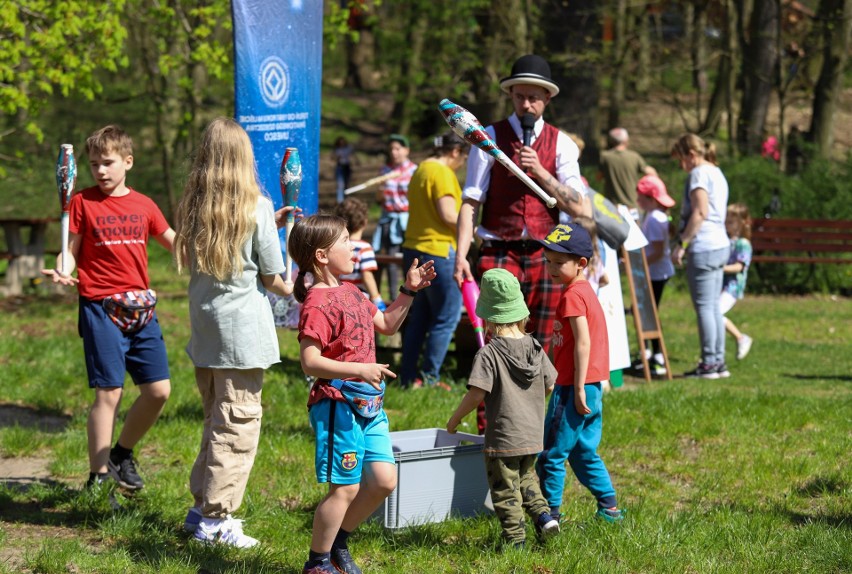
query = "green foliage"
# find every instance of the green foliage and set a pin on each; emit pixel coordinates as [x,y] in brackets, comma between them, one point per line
[56,46]
[821,191]
[450,60]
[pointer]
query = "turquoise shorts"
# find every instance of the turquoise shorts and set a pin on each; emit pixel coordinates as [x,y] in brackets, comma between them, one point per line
[345,442]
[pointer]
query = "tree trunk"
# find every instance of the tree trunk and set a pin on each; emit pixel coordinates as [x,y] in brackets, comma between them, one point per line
[360,55]
[836,19]
[698,51]
[360,52]
[505,37]
[643,59]
[722,99]
[572,30]
[619,54]
[759,73]
[407,99]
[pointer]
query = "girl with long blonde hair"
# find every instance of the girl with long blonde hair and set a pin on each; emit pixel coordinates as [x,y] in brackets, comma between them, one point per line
[227,238]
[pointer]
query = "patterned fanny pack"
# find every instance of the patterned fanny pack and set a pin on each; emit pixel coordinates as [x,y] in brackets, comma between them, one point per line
[364,398]
[132,310]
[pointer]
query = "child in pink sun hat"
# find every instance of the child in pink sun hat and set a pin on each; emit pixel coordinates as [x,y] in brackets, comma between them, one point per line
[654,201]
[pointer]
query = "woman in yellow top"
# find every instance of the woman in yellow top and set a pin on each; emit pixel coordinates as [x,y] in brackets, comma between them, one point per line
[434,197]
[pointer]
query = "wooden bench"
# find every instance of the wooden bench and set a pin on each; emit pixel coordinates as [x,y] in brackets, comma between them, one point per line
[464,337]
[801,241]
[25,254]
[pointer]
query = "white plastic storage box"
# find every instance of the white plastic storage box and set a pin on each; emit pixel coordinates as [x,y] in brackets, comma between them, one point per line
[438,474]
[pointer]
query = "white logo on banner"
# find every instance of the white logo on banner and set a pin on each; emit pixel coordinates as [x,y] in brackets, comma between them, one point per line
[274,81]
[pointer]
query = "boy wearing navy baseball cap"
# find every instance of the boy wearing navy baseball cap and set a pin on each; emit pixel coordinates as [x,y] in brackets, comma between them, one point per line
[572,426]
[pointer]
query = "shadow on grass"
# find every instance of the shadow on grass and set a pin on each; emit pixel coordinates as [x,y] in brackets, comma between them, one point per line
[46,420]
[147,550]
[49,503]
[839,378]
[818,487]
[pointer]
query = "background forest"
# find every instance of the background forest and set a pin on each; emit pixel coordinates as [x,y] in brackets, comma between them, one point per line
[730,70]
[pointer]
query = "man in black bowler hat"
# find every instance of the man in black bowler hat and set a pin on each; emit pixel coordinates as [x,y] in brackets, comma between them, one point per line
[513,217]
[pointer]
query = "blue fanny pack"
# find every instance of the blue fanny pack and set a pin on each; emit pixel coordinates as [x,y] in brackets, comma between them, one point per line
[364,398]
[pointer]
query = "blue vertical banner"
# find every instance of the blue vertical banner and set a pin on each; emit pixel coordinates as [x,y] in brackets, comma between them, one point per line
[278,56]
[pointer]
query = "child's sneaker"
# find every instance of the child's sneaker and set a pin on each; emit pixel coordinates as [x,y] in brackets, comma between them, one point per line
[743,347]
[611,514]
[342,560]
[125,473]
[722,370]
[96,481]
[546,526]
[192,520]
[228,531]
[702,371]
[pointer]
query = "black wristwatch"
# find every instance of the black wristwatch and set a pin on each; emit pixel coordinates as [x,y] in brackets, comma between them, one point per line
[405,291]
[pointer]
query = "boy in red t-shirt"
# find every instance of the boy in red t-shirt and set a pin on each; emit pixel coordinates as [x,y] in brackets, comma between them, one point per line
[109,229]
[572,426]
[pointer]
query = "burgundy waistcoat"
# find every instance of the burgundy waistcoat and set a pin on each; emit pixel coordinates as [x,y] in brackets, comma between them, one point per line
[510,205]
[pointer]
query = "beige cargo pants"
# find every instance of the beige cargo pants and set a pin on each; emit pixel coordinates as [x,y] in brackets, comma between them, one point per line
[232,412]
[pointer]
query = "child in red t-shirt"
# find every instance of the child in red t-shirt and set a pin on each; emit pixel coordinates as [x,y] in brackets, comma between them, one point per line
[337,345]
[109,229]
[572,426]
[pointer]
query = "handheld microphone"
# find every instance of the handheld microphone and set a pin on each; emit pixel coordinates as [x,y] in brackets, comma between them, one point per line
[528,125]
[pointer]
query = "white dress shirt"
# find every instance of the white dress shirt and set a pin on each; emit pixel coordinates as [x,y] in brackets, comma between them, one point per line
[479,166]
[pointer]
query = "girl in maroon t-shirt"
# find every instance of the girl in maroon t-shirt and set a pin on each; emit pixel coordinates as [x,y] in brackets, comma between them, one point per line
[336,335]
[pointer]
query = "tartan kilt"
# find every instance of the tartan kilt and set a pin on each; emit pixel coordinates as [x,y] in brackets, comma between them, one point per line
[540,293]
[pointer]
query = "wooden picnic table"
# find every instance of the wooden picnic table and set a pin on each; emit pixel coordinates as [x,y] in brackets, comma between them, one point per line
[25,255]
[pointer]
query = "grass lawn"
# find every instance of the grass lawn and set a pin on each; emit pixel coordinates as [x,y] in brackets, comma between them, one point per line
[748,474]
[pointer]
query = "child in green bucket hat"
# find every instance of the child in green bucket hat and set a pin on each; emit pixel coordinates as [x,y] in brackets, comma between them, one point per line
[513,375]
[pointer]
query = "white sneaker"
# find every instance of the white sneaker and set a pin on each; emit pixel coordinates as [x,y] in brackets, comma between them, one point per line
[226,530]
[743,347]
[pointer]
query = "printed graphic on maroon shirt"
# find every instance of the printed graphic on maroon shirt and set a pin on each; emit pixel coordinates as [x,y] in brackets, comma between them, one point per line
[340,319]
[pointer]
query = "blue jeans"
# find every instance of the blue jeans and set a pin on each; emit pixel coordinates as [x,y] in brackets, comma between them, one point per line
[342,175]
[704,274]
[432,320]
[575,438]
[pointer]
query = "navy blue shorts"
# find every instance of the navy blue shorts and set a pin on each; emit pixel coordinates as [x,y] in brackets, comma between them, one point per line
[110,352]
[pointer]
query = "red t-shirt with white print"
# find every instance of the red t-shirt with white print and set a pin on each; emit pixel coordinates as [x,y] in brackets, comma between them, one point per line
[114,231]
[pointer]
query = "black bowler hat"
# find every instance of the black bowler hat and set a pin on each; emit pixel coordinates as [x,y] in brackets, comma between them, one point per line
[530,69]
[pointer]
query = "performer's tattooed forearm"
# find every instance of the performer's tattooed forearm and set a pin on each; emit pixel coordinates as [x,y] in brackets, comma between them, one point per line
[564,192]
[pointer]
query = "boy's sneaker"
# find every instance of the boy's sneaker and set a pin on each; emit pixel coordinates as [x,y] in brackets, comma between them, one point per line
[658,370]
[702,371]
[96,480]
[125,473]
[722,370]
[743,347]
[228,531]
[326,568]
[611,514]
[342,560]
[192,520]
[546,526]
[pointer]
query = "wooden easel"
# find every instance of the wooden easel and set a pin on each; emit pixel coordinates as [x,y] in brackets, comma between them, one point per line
[645,315]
